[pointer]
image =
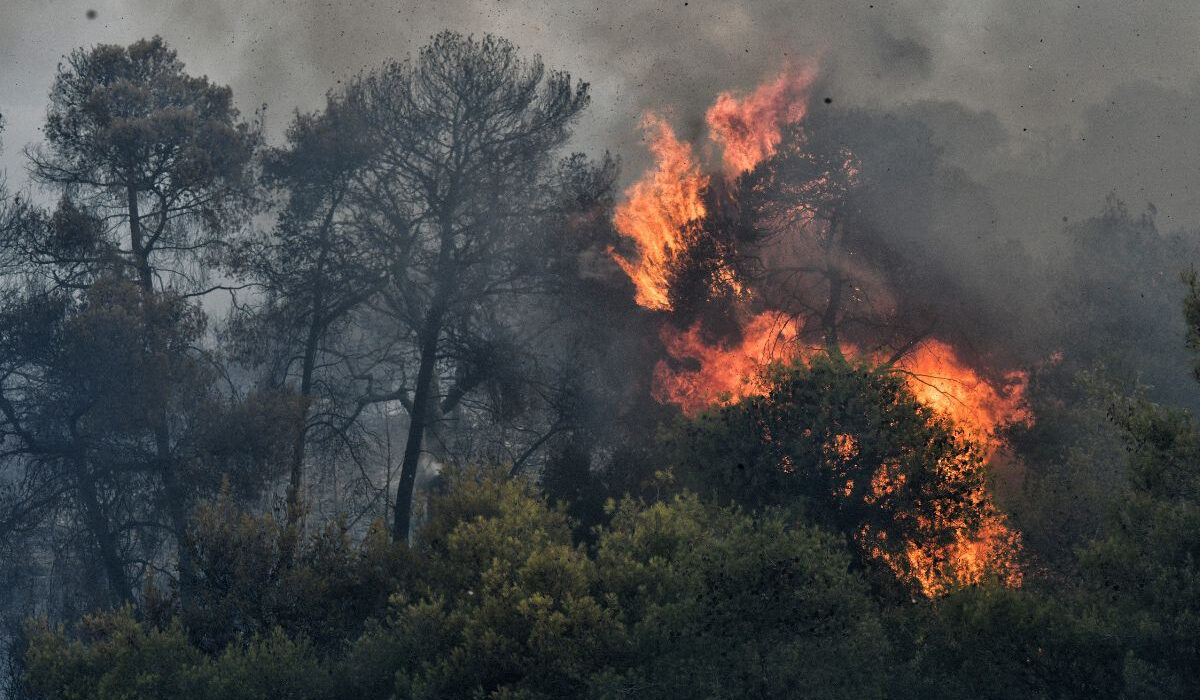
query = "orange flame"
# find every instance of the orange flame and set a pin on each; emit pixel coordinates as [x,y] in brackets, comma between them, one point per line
[725,373]
[749,127]
[934,374]
[940,380]
[661,210]
[992,551]
[657,213]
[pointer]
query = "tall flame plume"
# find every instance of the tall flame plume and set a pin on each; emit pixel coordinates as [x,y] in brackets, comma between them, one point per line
[658,211]
[659,219]
[748,128]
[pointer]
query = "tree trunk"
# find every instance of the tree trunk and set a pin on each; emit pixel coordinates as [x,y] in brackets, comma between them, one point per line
[418,421]
[141,256]
[106,541]
[422,408]
[307,368]
[831,317]
[312,341]
[176,506]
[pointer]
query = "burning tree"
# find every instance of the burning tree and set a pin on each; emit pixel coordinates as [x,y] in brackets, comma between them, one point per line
[849,446]
[775,258]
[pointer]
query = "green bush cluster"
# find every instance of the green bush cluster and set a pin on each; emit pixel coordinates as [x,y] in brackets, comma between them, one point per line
[683,598]
[687,596]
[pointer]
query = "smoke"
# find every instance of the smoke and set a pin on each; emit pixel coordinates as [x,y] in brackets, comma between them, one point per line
[1077,98]
[993,124]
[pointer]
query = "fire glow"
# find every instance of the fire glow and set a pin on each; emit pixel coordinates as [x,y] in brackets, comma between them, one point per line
[660,216]
[658,211]
[748,128]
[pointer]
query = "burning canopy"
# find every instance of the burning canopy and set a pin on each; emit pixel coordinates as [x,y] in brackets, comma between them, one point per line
[768,258]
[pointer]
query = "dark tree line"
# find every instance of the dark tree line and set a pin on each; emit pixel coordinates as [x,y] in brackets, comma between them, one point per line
[425,219]
[107,406]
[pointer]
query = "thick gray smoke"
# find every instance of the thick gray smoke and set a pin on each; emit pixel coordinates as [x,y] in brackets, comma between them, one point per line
[1053,104]
[1037,110]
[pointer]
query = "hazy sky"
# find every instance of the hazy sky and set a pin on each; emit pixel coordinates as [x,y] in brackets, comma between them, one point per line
[1090,96]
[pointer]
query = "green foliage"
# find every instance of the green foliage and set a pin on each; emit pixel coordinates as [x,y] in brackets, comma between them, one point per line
[722,604]
[270,666]
[684,598]
[1070,464]
[112,656]
[515,609]
[1143,578]
[998,643]
[256,574]
[681,599]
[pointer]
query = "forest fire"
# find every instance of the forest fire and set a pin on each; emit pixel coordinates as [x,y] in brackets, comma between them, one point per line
[748,128]
[978,407]
[724,372]
[662,216]
[402,395]
[932,372]
[658,211]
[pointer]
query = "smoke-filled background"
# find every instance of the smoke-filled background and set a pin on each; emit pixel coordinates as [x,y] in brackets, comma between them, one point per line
[1051,105]
[1029,166]
[1040,109]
